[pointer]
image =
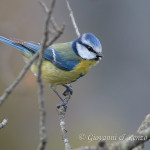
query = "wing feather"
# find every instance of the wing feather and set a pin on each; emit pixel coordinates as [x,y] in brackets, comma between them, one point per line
[60,55]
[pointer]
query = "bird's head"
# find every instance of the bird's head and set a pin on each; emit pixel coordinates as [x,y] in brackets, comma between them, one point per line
[88,46]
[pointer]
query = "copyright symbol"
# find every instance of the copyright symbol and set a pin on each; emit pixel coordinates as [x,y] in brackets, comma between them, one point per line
[82,136]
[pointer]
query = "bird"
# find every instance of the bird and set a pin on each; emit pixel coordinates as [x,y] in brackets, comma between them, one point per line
[63,63]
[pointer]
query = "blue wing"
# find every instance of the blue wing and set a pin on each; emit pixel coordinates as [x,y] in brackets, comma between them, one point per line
[54,56]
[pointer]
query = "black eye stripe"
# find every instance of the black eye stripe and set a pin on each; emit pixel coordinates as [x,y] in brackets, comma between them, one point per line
[88,47]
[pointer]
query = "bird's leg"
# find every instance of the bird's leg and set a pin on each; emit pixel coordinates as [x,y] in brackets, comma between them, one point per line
[64,101]
[68,91]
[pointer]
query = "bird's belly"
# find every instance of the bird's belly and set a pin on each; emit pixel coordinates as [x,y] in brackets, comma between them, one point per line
[56,76]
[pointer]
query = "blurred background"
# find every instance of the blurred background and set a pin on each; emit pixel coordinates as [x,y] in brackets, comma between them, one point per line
[111,100]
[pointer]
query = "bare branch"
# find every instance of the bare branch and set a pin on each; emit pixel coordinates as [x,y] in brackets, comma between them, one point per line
[9,90]
[56,36]
[62,112]
[43,135]
[144,125]
[44,6]
[132,141]
[3,123]
[73,19]
[53,22]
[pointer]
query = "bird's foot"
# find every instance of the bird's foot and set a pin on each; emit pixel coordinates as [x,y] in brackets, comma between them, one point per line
[64,105]
[64,101]
[68,91]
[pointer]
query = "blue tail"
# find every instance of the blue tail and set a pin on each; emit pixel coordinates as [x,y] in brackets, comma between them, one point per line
[21,45]
[54,56]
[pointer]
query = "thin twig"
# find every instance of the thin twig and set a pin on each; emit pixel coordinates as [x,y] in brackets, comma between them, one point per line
[73,19]
[43,135]
[10,89]
[52,20]
[62,112]
[44,6]
[56,36]
[54,24]
[3,123]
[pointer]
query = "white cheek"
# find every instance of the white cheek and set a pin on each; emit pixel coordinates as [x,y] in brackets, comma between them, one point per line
[84,52]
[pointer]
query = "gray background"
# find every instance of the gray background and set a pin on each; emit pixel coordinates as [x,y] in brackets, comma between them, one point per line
[112,99]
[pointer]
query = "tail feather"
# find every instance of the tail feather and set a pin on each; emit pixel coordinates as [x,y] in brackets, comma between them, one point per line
[21,45]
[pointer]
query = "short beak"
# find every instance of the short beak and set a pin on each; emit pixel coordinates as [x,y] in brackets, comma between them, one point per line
[100,55]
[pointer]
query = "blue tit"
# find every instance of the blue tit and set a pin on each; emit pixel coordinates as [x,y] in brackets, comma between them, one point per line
[63,62]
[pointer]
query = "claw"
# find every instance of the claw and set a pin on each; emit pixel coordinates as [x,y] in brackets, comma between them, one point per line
[64,104]
[68,90]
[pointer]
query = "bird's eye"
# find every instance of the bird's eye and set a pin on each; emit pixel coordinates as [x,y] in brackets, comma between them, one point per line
[90,49]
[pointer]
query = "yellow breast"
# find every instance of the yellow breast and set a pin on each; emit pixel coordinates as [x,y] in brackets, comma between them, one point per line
[56,76]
